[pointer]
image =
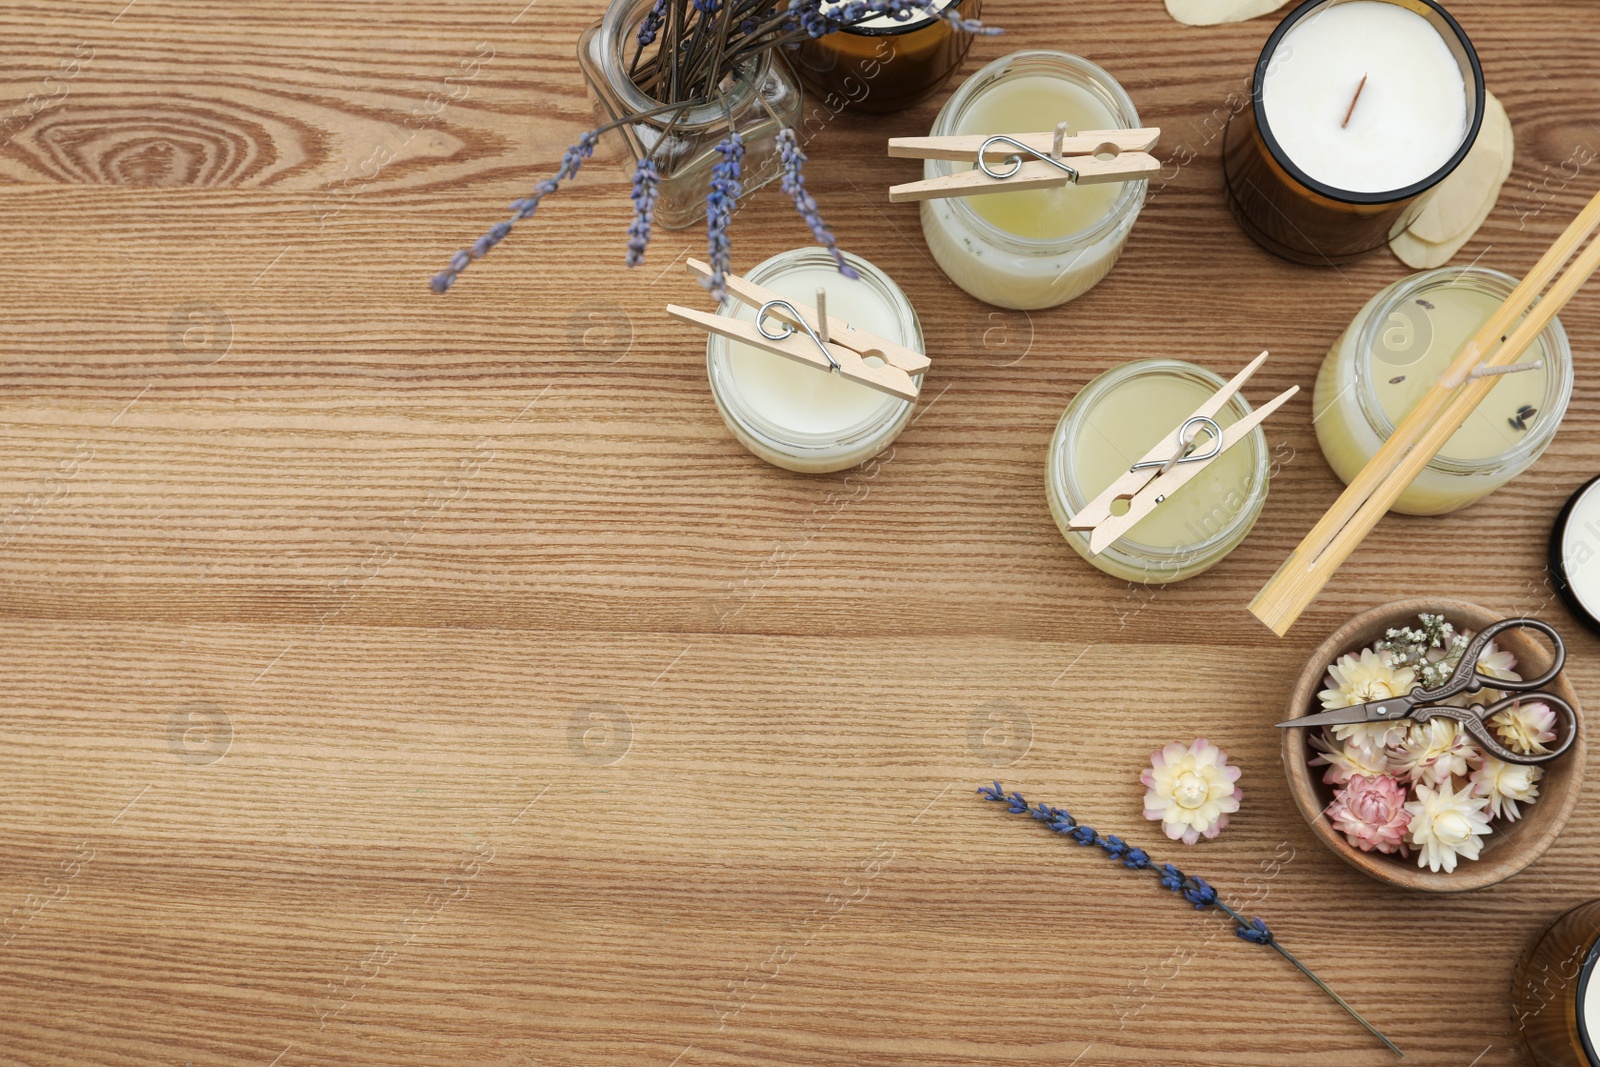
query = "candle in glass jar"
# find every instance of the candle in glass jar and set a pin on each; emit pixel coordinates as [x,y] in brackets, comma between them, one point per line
[798,416]
[1111,425]
[1366,96]
[1357,108]
[1041,247]
[1399,345]
[886,64]
[1555,994]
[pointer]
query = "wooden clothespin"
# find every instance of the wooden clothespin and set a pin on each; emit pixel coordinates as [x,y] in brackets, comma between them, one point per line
[808,336]
[1170,465]
[1089,158]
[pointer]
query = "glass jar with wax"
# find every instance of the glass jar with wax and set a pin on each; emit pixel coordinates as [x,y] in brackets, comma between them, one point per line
[885,64]
[800,417]
[1555,996]
[1358,107]
[1039,247]
[1398,347]
[1109,426]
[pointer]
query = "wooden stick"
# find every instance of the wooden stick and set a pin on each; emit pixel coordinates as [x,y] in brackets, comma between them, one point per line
[1348,115]
[1428,428]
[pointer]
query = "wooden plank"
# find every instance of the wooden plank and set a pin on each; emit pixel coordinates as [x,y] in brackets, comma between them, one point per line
[395,678]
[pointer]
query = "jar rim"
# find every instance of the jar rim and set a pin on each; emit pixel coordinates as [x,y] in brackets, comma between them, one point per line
[1472,81]
[1084,73]
[1063,477]
[620,17]
[785,440]
[909,26]
[1498,284]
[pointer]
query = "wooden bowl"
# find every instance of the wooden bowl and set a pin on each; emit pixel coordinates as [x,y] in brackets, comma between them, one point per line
[1512,846]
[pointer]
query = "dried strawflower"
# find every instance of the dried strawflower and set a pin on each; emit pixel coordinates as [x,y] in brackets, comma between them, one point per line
[1190,790]
[1345,760]
[1505,785]
[1525,728]
[1361,679]
[1195,890]
[1432,751]
[1445,824]
[1371,813]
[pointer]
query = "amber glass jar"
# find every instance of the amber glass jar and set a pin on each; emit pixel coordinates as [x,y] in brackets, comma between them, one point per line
[1555,998]
[885,65]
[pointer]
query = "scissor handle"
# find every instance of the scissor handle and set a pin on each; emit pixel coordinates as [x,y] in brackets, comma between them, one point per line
[1475,720]
[1468,679]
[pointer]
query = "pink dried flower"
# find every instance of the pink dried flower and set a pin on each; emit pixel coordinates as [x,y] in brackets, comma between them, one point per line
[1346,759]
[1371,813]
[1190,789]
[1525,728]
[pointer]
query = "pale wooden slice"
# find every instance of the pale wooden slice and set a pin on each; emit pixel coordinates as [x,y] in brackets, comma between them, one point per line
[1212,12]
[1457,201]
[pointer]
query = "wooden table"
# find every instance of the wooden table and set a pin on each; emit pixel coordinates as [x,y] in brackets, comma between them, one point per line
[402,679]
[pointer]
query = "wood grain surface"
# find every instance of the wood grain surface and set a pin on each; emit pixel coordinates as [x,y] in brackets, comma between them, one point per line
[400,679]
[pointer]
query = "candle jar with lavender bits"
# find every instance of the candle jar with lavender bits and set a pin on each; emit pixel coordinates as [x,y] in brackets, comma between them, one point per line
[762,99]
[1397,348]
[885,64]
[1358,108]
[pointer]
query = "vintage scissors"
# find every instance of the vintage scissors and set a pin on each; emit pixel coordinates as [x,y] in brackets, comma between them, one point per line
[1424,704]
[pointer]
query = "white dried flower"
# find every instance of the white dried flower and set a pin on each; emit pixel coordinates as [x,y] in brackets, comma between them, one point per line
[1446,824]
[1361,679]
[1345,760]
[1505,785]
[1525,728]
[1432,751]
[1190,789]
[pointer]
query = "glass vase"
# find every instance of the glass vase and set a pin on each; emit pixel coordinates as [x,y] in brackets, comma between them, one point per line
[762,98]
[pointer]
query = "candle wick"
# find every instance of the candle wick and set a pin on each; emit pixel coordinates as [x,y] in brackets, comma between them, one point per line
[1348,115]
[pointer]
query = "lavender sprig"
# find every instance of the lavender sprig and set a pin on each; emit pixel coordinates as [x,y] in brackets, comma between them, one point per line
[646,187]
[521,209]
[650,25]
[794,185]
[1193,889]
[725,188]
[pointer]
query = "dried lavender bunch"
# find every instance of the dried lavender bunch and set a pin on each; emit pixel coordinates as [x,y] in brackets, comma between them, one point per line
[1431,651]
[1196,891]
[686,52]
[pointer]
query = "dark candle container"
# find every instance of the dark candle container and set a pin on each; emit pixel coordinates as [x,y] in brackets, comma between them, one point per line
[1290,213]
[1551,990]
[879,70]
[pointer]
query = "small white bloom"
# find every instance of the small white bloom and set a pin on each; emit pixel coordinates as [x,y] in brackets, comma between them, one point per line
[1505,785]
[1446,824]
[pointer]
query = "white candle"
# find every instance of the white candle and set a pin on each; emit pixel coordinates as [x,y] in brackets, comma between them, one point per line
[801,417]
[1398,346]
[1388,72]
[1042,247]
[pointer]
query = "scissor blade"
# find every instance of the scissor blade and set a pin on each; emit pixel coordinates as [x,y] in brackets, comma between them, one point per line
[1339,717]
